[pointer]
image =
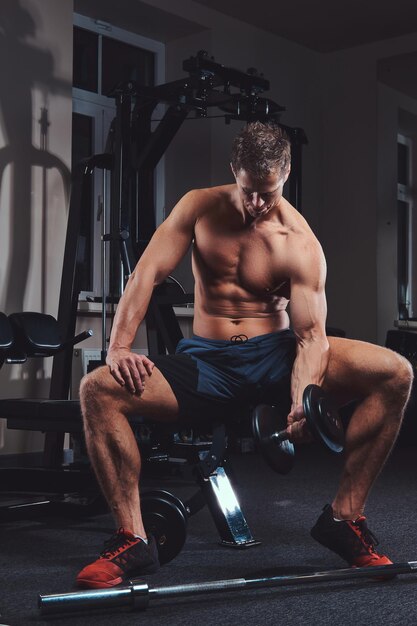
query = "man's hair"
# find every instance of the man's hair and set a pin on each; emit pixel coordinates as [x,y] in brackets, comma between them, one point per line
[260,149]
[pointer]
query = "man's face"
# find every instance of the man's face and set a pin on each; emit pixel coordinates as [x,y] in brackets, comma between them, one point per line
[259,196]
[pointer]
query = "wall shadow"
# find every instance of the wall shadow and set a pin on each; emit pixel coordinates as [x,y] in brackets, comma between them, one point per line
[23,68]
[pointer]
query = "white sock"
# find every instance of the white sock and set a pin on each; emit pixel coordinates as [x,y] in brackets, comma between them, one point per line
[142,539]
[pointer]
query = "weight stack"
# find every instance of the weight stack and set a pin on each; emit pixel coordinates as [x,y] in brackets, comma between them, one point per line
[405,343]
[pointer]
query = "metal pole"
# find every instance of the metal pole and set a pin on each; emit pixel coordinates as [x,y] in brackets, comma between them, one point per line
[104,272]
[137,595]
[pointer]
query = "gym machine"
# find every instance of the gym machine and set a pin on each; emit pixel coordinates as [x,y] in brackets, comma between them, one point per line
[25,490]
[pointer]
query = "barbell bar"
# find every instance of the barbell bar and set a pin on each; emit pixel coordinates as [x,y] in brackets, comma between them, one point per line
[138,594]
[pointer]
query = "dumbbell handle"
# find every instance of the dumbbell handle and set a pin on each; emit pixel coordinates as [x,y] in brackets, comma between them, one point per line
[279,436]
[323,422]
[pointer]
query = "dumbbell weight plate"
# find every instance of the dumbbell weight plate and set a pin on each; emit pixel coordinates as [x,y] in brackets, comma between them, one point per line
[323,419]
[165,517]
[267,420]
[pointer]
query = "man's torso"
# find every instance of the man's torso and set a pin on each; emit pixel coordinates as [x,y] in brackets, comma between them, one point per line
[243,270]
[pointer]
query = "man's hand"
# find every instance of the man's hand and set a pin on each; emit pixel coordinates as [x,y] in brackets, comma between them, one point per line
[129,369]
[297,426]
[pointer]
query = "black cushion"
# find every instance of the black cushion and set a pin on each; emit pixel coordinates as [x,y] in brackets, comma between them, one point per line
[42,415]
[6,333]
[35,334]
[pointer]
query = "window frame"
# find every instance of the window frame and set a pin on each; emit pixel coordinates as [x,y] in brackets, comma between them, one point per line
[405,195]
[102,108]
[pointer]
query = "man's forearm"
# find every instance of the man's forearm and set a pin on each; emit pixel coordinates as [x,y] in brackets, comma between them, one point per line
[131,310]
[310,367]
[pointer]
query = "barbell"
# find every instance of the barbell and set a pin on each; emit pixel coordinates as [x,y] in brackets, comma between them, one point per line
[138,594]
[269,425]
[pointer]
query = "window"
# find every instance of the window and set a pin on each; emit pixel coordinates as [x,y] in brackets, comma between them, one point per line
[404,227]
[85,60]
[104,56]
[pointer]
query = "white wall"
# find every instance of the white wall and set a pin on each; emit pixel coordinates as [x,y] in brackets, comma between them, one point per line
[391,104]
[353,167]
[36,74]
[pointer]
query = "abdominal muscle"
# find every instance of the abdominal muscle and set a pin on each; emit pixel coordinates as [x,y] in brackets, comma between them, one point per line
[223,319]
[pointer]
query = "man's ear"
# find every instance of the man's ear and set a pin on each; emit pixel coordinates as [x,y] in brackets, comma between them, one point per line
[287,173]
[233,171]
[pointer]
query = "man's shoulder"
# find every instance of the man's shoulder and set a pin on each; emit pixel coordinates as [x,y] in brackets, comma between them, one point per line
[295,224]
[211,193]
[302,241]
[199,201]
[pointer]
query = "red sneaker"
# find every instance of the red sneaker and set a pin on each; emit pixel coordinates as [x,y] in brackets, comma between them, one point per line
[352,540]
[124,556]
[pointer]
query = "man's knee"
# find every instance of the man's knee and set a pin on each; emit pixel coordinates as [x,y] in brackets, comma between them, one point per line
[401,378]
[94,388]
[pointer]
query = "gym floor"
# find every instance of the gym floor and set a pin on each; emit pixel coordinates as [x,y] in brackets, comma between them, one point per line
[43,555]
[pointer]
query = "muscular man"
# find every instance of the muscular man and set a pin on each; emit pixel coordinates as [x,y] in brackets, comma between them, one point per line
[252,253]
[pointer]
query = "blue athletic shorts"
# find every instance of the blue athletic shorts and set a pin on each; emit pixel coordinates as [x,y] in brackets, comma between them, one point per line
[217,379]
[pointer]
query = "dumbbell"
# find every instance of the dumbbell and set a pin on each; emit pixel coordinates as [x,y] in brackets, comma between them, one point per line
[269,425]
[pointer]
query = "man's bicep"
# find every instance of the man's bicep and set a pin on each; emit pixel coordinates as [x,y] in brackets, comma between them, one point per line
[308,299]
[308,310]
[170,242]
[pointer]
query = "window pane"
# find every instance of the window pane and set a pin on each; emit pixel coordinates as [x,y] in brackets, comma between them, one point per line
[403,254]
[85,61]
[403,163]
[123,62]
[82,137]
[82,147]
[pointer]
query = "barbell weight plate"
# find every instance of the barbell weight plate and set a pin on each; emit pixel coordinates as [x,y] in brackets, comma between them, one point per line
[164,517]
[330,421]
[167,495]
[267,420]
[323,420]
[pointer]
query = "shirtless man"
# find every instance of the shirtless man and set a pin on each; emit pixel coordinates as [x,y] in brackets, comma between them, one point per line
[252,253]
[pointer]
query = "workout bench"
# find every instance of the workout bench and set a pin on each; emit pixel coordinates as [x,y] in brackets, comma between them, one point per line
[30,335]
[23,336]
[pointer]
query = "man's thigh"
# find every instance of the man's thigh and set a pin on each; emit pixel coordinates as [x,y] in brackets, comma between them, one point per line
[157,400]
[356,368]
